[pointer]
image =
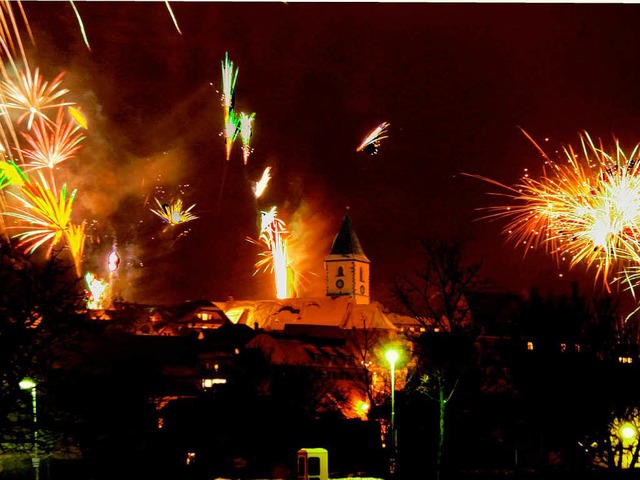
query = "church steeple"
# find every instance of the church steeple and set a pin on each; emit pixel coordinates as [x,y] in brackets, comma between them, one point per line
[347,267]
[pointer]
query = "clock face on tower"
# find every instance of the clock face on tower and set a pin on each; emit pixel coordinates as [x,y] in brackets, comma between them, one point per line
[339,283]
[361,289]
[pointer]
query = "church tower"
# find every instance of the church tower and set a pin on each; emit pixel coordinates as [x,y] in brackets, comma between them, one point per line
[347,267]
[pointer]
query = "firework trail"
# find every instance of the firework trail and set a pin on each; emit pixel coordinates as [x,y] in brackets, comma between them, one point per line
[81,25]
[586,209]
[371,143]
[173,17]
[246,131]
[231,131]
[76,236]
[274,257]
[229,77]
[260,186]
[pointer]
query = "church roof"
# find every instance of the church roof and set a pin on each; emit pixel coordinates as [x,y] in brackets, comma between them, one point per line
[275,315]
[346,242]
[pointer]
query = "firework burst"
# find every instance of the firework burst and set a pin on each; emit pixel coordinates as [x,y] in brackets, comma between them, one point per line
[52,142]
[586,209]
[47,213]
[173,213]
[32,95]
[371,143]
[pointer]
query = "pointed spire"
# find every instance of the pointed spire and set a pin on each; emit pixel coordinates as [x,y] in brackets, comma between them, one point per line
[346,241]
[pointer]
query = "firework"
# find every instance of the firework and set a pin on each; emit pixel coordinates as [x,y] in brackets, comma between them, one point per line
[246,131]
[47,212]
[586,209]
[75,235]
[261,185]
[78,117]
[231,131]
[32,95]
[84,34]
[113,261]
[51,143]
[371,143]
[172,213]
[97,292]
[229,77]
[173,17]
[10,174]
[274,259]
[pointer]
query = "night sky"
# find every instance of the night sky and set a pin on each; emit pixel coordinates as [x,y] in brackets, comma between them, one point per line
[455,82]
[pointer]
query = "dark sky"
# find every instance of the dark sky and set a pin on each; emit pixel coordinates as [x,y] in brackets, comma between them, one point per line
[455,82]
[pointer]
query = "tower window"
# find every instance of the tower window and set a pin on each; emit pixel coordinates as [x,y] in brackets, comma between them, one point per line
[361,277]
[340,272]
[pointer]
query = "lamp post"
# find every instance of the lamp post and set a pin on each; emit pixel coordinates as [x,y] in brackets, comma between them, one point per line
[29,384]
[392,357]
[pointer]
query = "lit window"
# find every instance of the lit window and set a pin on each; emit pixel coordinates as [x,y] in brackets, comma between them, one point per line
[563,347]
[529,345]
[191,457]
[210,382]
[625,360]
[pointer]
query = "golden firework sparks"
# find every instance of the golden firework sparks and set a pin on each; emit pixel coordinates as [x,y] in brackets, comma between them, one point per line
[47,213]
[586,209]
[173,213]
[76,236]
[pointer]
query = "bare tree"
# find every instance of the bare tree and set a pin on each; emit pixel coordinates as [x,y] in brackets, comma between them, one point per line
[436,297]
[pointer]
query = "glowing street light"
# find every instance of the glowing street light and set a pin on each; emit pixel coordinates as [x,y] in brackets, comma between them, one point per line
[392,357]
[628,432]
[29,384]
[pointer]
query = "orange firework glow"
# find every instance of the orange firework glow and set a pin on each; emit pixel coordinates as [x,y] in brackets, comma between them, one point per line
[97,292]
[586,210]
[113,261]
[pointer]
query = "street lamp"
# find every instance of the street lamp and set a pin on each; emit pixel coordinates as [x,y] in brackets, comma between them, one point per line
[392,357]
[29,384]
